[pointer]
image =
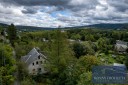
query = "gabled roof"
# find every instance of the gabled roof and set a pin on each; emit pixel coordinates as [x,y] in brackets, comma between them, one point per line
[121,45]
[31,56]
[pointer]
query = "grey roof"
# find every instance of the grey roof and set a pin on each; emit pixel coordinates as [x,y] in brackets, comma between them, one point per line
[31,56]
[121,45]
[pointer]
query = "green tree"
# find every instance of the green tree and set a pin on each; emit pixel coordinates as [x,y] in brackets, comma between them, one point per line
[22,71]
[85,79]
[90,47]
[88,62]
[79,49]
[103,44]
[60,56]
[7,62]
[121,59]
[79,67]
[76,36]
[89,37]
[1,28]
[12,34]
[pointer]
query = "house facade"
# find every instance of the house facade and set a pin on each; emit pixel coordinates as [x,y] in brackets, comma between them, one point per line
[35,62]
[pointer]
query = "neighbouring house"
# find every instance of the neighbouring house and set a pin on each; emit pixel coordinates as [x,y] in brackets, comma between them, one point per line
[45,40]
[121,46]
[118,64]
[62,30]
[71,41]
[34,61]
[114,56]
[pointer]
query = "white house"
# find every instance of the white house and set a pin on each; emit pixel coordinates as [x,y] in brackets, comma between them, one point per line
[34,61]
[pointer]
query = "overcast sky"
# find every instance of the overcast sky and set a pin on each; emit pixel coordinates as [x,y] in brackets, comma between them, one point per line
[52,13]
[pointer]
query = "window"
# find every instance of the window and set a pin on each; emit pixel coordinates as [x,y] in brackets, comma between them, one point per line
[39,57]
[37,62]
[33,64]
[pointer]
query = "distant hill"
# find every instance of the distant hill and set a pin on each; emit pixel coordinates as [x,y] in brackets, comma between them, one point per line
[27,28]
[99,26]
[104,26]
[3,25]
[32,28]
[110,26]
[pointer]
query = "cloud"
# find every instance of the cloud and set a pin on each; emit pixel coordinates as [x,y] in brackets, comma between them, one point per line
[119,5]
[28,10]
[37,2]
[52,13]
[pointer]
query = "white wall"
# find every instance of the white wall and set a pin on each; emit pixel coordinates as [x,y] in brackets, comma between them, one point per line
[36,66]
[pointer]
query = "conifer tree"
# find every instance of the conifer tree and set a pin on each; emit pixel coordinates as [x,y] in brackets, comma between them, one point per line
[12,33]
[59,58]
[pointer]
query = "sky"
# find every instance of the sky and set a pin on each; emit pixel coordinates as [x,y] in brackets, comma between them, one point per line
[65,13]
